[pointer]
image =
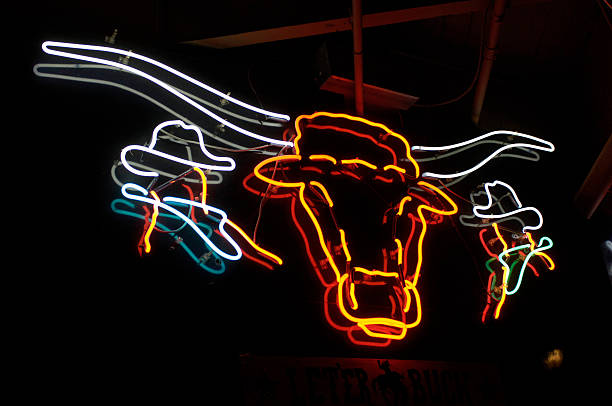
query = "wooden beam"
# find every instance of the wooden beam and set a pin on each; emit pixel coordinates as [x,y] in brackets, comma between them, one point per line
[344,24]
[373,96]
[597,183]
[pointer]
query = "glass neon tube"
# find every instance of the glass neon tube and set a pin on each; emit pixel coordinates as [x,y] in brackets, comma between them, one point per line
[549,147]
[46,48]
[142,198]
[477,210]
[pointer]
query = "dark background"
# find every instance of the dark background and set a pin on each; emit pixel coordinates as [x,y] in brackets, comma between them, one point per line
[97,321]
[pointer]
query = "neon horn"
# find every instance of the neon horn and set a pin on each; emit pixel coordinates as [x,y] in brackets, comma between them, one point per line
[549,147]
[46,48]
[82,67]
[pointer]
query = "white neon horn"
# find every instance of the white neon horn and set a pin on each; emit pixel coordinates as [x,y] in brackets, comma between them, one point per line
[549,147]
[167,87]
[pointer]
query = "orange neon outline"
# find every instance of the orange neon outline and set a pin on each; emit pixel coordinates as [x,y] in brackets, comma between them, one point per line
[355,133]
[358,134]
[256,192]
[244,235]
[353,118]
[313,262]
[153,221]
[350,329]
[319,157]
[324,191]
[383,179]
[489,297]
[420,209]
[484,244]
[407,245]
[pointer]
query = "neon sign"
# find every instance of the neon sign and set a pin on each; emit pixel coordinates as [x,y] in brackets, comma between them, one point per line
[151,64]
[336,168]
[346,278]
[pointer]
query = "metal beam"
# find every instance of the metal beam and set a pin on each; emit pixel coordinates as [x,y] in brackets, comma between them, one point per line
[484,72]
[597,183]
[376,98]
[344,24]
[340,24]
[358,56]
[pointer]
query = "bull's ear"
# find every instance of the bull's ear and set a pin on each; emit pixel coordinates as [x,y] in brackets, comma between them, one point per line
[260,188]
[271,177]
[438,201]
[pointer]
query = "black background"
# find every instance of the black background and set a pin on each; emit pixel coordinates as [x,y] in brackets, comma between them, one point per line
[97,321]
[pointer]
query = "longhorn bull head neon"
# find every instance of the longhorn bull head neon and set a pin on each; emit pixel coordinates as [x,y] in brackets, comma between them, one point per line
[376,184]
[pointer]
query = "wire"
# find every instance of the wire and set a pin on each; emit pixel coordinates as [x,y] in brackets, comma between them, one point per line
[266,194]
[480,54]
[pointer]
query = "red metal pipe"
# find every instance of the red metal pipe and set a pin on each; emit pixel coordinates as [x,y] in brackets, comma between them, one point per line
[358,56]
[490,50]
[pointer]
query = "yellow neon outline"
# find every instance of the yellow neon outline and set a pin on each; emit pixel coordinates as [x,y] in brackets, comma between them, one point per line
[358,161]
[324,191]
[496,228]
[399,251]
[354,304]
[272,181]
[353,118]
[374,272]
[204,191]
[363,322]
[503,296]
[344,246]
[549,262]
[401,204]
[410,285]
[153,221]
[395,168]
[319,157]
[252,243]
